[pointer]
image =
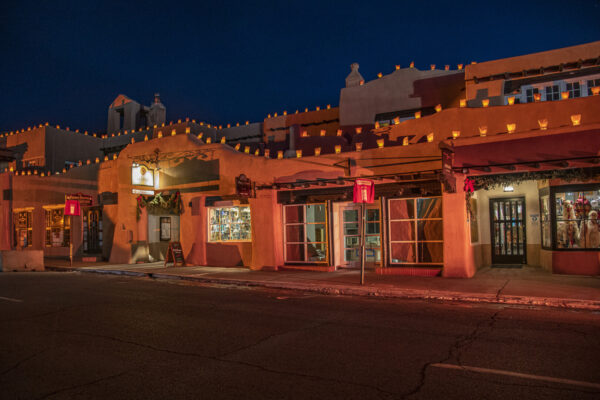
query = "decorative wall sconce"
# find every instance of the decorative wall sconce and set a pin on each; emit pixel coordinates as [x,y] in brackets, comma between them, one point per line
[510,128]
[576,119]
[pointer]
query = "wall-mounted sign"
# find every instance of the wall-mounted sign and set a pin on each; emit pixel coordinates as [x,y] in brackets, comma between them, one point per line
[72,207]
[243,186]
[447,177]
[142,175]
[142,191]
[364,191]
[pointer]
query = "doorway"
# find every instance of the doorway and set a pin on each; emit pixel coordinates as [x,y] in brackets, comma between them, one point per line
[347,235]
[508,231]
[162,229]
[92,230]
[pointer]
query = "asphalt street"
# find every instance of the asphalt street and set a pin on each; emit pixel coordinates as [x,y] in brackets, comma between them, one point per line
[72,335]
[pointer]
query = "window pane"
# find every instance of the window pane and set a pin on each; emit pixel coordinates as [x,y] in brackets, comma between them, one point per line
[350,215]
[294,214]
[402,209]
[429,208]
[402,230]
[295,252]
[352,241]
[373,214]
[315,233]
[430,230]
[403,253]
[351,229]
[372,255]
[373,241]
[372,228]
[316,251]
[431,252]
[352,255]
[315,213]
[294,233]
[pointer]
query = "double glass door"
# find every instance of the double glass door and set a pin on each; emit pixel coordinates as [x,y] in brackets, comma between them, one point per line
[507,220]
[351,225]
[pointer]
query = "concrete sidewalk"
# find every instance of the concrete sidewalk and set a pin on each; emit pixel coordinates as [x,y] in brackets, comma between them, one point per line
[526,286]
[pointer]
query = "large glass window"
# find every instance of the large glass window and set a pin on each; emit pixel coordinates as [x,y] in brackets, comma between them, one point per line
[552,92]
[416,231]
[58,228]
[23,231]
[305,233]
[529,94]
[574,89]
[576,213]
[229,224]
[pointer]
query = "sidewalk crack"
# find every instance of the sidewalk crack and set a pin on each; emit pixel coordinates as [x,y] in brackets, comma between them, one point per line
[501,289]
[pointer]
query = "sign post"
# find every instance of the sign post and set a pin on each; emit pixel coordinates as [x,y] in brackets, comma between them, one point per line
[364,192]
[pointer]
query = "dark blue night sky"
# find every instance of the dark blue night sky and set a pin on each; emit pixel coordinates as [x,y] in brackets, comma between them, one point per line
[229,61]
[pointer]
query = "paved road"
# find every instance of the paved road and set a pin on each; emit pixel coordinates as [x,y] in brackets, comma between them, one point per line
[70,335]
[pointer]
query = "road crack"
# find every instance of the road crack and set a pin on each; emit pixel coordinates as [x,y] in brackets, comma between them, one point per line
[81,385]
[501,289]
[21,362]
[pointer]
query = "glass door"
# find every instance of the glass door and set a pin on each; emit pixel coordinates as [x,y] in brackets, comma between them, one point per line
[350,230]
[507,221]
[92,230]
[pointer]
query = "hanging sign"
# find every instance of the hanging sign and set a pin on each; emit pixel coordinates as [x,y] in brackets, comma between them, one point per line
[243,186]
[447,177]
[364,191]
[72,207]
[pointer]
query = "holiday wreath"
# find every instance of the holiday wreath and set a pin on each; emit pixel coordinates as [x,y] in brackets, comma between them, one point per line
[159,204]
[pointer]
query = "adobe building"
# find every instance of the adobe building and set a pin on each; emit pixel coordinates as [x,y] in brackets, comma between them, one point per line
[462,180]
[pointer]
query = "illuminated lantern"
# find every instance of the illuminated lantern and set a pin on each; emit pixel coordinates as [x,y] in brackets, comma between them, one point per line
[376,124]
[47,123]
[596,90]
[209,140]
[284,112]
[145,138]
[247,149]
[338,149]
[482,130]
[256,152]
[459,66]
[362,82]
[105,158]
[455,134]
[223,139]
[339,132]
[430,137]
[396,120]
[511,100]
[543,123]
[358,146]
[379,75]
[323,132]
[564,95]
[279,154]
[298,153]
[432,66]
[269,116]
[358,129]
[188,129]
[438,108]
[88,162]
[229,125]
[237,146]
[237,124]
[380,143]
[397,67]
[418,114]
[159,134]
[412,64]
[200,135]
[447,67]
[404,141]
[510,128]
[318,108]
[329,106]
[115,156]
[43,174]
[537,97]
[274,115]
[57,126]
[576,119]
[132,140]
[306,109]
[179,121]
[35,172]
[173,132]
[97,160]
[247,122]
[485,102]
[317,151]
[304,134]
[267,153]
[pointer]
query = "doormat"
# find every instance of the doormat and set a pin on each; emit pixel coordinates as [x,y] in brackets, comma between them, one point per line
[507,265]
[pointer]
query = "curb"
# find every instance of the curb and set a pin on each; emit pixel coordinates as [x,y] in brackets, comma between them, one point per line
[571,304]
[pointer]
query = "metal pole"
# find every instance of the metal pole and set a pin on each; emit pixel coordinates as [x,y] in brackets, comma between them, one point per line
[71,241]
[362,244]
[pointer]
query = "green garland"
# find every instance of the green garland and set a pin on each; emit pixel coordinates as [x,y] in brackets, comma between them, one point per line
[489,182]
[159,204]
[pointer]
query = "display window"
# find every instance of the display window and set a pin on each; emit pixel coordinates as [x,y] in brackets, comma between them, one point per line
[23,230]
[576,223]
[58,228]
[305,232]
[416,231]
[545,221]
[229,224]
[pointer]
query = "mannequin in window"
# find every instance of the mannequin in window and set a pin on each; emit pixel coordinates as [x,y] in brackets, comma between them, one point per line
[568,231]
[592,234]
